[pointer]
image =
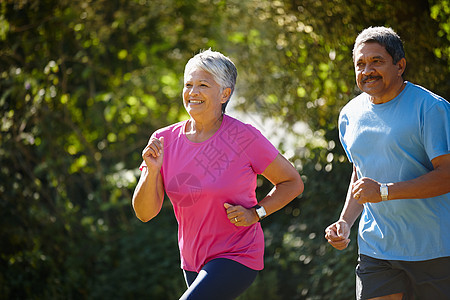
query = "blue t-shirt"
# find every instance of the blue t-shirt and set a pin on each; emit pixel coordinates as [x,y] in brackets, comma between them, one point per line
[392,142]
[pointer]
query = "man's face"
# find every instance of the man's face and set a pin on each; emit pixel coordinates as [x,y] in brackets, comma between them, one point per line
[376,74]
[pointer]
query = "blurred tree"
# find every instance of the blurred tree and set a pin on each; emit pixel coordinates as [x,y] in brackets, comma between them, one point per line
[84,83]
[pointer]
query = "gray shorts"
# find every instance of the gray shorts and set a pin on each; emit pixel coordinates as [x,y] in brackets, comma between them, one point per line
[429,279]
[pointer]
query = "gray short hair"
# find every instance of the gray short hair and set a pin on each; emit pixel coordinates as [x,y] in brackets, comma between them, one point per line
[218,65]
[384,36]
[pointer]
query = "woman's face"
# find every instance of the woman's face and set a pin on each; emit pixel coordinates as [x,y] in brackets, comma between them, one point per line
[202,95]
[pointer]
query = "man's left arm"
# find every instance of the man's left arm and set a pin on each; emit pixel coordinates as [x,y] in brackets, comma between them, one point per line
[432,184]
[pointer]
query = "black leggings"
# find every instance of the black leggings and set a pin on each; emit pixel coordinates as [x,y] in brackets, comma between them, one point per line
[220,278]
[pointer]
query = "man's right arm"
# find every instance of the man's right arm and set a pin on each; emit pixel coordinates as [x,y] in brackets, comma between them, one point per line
[338,233]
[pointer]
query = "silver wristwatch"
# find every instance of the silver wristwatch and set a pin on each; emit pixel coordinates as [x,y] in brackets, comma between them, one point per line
[260,211]
[384,192]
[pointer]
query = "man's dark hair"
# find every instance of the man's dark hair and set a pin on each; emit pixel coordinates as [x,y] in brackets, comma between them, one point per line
[384,36]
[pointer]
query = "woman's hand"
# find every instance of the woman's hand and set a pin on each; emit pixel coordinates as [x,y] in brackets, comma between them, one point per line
[241,216]
[153,153]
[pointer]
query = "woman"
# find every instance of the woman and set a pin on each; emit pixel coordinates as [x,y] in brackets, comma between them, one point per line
[208,167]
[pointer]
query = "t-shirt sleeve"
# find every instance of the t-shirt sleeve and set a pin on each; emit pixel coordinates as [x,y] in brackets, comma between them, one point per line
[436,129]
[258,149]
[343,123]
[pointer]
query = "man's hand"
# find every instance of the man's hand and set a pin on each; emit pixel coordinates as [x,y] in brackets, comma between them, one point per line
[366,190]
[337,234]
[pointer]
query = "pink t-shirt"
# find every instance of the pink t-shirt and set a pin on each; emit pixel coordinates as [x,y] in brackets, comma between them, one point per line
[200,177]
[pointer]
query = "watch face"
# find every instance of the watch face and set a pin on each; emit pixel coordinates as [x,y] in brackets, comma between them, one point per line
[261,212]
[384,192]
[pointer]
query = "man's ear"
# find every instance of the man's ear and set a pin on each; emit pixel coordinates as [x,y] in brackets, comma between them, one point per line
[401,66]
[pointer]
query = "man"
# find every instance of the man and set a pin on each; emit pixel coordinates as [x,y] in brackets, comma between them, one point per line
[397,135]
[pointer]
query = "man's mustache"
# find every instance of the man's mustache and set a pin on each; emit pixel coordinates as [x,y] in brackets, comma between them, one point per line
[366,78]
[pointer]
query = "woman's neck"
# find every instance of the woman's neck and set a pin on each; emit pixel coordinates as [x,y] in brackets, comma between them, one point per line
[198,131]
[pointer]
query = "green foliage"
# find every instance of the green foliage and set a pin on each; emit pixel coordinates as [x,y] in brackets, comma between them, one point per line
[84,83]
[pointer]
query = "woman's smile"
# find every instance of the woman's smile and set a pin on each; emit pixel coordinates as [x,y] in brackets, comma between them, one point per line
[196,101]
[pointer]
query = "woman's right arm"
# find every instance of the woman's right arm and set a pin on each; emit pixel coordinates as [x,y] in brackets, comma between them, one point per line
[149,193]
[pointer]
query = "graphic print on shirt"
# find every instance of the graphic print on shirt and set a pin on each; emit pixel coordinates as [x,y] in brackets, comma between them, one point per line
[203,165]
[213,161]
[237,140]
[186,187]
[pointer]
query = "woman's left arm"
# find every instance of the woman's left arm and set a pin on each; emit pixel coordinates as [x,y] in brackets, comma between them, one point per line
[287,185]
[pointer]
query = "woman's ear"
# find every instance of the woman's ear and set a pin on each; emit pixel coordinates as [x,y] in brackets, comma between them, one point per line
[225,95]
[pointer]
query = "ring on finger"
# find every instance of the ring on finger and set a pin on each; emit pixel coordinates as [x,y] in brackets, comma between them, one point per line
[235,219]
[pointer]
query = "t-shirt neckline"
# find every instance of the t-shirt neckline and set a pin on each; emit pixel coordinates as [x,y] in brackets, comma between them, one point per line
[390,102]
[183,132]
